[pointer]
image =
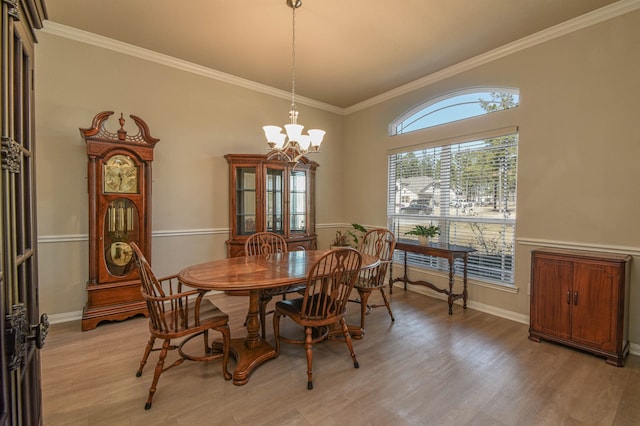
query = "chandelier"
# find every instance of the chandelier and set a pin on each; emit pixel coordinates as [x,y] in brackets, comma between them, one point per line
[293,144]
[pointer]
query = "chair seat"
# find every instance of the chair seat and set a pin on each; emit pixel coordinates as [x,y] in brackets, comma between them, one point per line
[293,309]
[285,289]
[367,283]
[210,317]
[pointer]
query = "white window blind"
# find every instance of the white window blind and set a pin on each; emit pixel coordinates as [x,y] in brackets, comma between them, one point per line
[467,189]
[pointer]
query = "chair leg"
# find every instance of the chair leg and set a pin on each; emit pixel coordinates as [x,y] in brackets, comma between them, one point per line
[158,371]
[207,349]
[276,331]
[347,339]
[308,339]
[386,302]
[364,298]
[147,351]
[226,342]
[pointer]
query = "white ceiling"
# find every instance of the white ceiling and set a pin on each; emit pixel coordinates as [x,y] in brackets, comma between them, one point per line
[347,51]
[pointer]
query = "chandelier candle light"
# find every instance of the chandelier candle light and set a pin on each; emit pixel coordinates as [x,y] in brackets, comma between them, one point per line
[293,145]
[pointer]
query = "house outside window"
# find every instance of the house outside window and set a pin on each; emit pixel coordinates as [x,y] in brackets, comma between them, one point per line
[467,188]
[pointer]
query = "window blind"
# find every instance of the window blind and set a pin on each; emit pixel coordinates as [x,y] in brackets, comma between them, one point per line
[468,189]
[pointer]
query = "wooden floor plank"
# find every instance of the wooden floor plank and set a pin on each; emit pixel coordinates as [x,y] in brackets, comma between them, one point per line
[427,367]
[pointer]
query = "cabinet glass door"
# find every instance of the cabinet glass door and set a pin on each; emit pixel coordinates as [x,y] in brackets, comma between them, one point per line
[298,201]
[246,200]
[274,206]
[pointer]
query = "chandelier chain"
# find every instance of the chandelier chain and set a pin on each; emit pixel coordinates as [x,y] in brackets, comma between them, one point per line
[293,60]
[292,144]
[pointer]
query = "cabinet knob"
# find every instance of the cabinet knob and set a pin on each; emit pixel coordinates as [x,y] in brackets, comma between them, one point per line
[575,298]
[568,297]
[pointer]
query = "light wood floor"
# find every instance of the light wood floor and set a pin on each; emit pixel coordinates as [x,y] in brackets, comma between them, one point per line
[427,368]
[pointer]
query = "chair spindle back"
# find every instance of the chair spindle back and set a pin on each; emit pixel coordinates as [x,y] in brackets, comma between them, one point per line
[265,243]
[381,243]
[329,284]
[168,308]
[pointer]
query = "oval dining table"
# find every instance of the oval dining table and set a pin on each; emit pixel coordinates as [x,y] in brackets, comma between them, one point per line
[253,274]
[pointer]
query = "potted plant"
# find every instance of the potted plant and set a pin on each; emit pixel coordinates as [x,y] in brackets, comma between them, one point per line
[349,238]
[341,239]
[424,233]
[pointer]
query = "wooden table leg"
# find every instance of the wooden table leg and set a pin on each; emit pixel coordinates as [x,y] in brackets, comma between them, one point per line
[253,350]
[450,294]
[464,282]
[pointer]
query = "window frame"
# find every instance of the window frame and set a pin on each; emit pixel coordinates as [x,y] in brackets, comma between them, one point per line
[455,132]
[395,124]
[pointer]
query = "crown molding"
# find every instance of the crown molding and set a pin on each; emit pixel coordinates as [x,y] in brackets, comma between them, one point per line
[605,13]
[613,10]
[75,34]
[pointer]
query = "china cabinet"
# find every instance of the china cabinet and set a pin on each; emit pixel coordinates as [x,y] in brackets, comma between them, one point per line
[271,194]
[581,299]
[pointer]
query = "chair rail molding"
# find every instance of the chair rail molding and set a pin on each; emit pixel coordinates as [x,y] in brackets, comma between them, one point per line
[535,242]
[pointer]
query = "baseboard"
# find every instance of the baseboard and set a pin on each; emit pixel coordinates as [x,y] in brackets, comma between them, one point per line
[488,309]
[634,348]
[77,315]
[64,317]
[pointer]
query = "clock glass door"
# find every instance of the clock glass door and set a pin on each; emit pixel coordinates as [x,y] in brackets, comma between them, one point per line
[120,229]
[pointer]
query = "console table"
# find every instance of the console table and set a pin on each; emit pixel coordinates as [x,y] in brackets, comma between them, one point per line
[444,250]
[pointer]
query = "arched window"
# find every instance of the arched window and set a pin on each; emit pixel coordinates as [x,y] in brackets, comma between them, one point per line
[466,186]
[456,106]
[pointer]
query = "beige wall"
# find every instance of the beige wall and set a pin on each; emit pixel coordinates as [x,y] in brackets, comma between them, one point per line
[579,148]
[198,120]
[578,153]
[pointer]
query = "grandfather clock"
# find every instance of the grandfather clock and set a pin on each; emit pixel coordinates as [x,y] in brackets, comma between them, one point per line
[119,178]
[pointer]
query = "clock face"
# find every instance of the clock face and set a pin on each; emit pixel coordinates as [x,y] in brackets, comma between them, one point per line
[121,175]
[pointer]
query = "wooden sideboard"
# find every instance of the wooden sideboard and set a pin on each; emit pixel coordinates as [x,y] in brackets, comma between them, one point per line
[581,299]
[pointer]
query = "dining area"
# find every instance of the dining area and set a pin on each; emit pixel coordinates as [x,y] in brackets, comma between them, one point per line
[319,284]
[426,367]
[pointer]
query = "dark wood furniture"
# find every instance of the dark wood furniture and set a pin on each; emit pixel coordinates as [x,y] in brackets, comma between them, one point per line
[443,250]
[23,328]
[119,181]
[581,299]
[323,304]
[381,243]
[177,312]
[252,274]
[270,194]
